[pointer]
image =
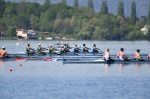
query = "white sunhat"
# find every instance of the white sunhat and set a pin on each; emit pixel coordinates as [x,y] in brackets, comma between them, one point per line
[3,47]
[62,45]
[39,44]
[50,45]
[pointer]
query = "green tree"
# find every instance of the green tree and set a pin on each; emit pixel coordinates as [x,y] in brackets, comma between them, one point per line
[133,13]
[2,25]
[78,22]
[47,2]
[76,3]
[121,9]
[66,26]
[58,25]
[21,8]
[9,10]
[2,7]
[34,22]
[23,21]
[33,8]
[148,17]
[104,8]
[11,32]
[135,35]
[64,2]
[90,4]
[9,15]
[148,34]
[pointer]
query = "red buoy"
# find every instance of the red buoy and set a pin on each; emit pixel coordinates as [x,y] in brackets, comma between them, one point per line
[10,69]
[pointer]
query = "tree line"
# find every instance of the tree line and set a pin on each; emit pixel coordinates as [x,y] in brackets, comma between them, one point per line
[81,23]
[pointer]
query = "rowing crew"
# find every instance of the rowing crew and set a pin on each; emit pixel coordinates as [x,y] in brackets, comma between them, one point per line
[40,50]
[64,49]
[122,56]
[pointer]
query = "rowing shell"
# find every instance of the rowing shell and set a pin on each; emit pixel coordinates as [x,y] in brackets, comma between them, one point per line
[71,54]
[27,59]
[58,54]
[103,61]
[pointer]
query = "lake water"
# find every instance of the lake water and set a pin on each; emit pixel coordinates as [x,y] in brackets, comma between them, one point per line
[53,80]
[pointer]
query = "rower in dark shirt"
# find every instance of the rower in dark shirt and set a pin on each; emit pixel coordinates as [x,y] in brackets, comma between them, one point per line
[76,49]
[95,49]
[85,49]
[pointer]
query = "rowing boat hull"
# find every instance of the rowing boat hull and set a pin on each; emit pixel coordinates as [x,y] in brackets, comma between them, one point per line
[101,61]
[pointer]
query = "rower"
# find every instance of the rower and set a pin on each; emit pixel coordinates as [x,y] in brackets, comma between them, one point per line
[85,49]
[76,49]
[121,55]
[41,49]
[137,55]
[66,48]
[62,50]
[52,50]
[3,52]
[148,56]
[106,55]
[95,49]
[29,50]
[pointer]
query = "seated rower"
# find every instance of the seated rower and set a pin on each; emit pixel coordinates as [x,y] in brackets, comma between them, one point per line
[66,48]
[121,55]
[137,55]
[95,49]
[148,56]
[52,50]
[85,49]
[106,55]
[3,52]
[62,50]
[29,50]
[76,49]
[41,49]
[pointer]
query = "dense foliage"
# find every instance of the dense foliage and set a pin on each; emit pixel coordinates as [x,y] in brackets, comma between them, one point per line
[76,22]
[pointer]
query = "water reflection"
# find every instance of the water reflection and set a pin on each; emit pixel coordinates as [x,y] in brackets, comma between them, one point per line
[137,66]
[1,65]
[149,66]
[106,68]
[123,67]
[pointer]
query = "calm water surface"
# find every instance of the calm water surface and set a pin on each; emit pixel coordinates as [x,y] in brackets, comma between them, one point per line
[53,80]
